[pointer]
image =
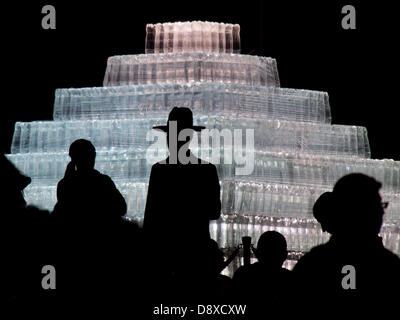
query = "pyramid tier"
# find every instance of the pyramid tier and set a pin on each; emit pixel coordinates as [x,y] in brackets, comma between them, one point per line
[286,209]
[238,197]
[191,67]
[279,200]
[127,102]
[272,135]
[269,167]
[252,198]
[322,171]
[196,36]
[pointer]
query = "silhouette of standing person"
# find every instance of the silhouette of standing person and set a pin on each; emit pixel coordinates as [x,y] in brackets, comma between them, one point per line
[183,196]
[84,193]
[87,214]
[24,231]
[352,270]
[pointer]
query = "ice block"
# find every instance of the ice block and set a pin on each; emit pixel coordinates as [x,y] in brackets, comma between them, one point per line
[269,167]
[191,67]
[194,36]
[297,153]
[301,233]
[225,129]
[129,102]
[240,198]
[286,209]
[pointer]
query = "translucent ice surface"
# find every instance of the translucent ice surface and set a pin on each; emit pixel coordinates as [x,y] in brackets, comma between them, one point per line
[277,135]
[129,102]
[269,167]
[196,36]
[238,198]
[191,67]
[286,209]
[301,233]
[274,148]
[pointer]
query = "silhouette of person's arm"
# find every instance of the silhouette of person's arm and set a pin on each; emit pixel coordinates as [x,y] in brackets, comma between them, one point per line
[215,198]
[62,188]
[150,210]
[306,278]
[116,200]
[230,259]
[60,191]
[61,197]
[70,170]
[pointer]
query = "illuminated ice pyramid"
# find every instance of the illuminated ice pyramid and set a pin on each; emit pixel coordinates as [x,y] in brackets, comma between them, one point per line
[298,153]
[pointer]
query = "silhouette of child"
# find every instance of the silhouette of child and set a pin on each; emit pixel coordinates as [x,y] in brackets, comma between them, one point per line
[266,279]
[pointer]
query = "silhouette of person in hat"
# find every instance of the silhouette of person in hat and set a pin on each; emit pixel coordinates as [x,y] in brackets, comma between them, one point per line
[183,195]
[352,270]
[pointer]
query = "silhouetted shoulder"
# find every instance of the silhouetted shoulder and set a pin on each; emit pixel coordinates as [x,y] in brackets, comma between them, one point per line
[193,161]
[316,256]
[392,261]
[241,272]
[158,165]
[105,179]
[210,166]
[393,257]
[207,164]
[204,162]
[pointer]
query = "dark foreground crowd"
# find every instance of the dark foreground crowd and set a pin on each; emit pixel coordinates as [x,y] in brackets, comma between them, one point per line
[103,261]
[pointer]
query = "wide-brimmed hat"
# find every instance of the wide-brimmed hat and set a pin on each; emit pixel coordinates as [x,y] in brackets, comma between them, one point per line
[184,119]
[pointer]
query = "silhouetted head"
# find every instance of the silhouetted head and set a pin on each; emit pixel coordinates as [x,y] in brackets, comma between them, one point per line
[13,182]
[179,128]
[83,154]
[358,204]
[323,211]
[272,248]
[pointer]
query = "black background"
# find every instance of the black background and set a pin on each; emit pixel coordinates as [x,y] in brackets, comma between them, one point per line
[358,68]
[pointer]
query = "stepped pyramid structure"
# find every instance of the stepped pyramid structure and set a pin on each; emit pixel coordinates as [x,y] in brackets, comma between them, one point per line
[298,154]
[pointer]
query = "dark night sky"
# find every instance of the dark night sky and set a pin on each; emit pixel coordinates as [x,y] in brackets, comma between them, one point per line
[355,67]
